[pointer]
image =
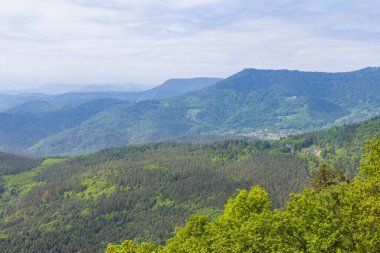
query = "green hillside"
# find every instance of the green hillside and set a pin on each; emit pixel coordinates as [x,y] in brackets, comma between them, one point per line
[338,217]
[138,192]
[340,146]
[13,164]
[21,130]
[279,101]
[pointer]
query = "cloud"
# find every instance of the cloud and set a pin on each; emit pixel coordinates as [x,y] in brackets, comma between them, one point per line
[83,41]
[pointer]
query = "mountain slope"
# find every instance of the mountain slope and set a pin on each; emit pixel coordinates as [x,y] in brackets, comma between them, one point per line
[9,101]
[18,131]
[136,192]
[280,101]
[11,164]
[340,146]
[332,216]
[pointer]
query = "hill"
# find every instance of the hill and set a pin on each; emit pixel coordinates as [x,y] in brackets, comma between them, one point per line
[175,87]
[9,101]
[333,216]
[19,131]
[23,125]
[340,146]
[11,164]
[75,95]
[278,101]
[80,203]
[137,192]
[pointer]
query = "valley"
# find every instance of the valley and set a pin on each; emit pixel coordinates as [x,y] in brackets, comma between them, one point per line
[281,101]
[142,192]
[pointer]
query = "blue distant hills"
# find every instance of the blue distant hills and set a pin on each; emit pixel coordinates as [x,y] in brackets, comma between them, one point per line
[275,101]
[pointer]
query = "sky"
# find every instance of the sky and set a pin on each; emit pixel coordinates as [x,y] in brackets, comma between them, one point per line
[149,41]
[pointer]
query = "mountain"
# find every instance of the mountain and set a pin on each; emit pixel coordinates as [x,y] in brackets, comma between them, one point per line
[34,107]
[19,131]
[41,116]
[175,87]
[170,88]
[59,96]
[278,101]
[112,87]
[142,192]
[340,146]
[9,101]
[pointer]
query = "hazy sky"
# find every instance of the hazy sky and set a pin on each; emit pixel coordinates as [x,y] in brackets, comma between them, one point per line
[148,41]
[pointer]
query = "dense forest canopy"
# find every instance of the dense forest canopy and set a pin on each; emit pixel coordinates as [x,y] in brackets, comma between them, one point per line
[340,217]
[136,192]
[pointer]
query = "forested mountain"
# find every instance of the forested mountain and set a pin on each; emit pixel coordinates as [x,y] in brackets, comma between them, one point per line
[9,101]
[333,216]
[14,164]
[19,131]
[37,116]
[275,101]
[279,101]
[170,88]
[137,192]
[340,146]
[142,192]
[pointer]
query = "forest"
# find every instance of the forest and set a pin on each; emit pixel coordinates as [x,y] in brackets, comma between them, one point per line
[142,193]
[136,192]
[334,215]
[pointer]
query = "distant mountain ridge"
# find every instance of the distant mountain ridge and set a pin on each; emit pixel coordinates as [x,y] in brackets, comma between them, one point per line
[37,116]
[170,88]
[279,101]
[61,88]
[175,87]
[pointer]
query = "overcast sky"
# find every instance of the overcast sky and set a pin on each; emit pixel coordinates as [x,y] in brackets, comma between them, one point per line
[149,41]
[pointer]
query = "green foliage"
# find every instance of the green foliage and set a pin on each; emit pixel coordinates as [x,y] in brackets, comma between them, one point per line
[326,177]
[16,186]
[138,192]
[340,217]
[13,164]
[2,185]
[339,146]
[370,164]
